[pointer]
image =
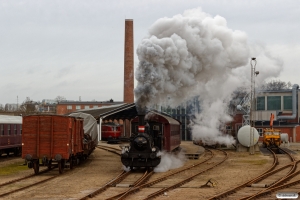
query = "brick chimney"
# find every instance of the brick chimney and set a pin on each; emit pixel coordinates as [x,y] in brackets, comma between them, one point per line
[128,62]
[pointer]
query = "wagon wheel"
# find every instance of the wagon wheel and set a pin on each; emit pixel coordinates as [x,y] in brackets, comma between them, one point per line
[61,166]
[71,160]
[49,164]
[36,166]
[17,152]
[264,145]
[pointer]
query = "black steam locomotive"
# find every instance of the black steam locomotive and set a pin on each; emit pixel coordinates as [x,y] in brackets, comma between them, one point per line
[142,151]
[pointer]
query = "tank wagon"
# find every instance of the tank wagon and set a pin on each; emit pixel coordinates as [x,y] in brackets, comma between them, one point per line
[10,134]
[55,140]
[110,132]
[157,133]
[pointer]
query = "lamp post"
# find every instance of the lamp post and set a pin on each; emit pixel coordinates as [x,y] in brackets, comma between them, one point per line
[252,104]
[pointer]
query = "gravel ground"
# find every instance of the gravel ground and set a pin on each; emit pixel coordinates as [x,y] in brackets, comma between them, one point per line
[102,166]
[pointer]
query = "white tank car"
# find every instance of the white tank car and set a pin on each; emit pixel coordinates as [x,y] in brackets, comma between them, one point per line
[244,136]
[285,138]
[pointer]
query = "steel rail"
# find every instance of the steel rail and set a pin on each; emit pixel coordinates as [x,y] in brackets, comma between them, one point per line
[155,194]
[243,185]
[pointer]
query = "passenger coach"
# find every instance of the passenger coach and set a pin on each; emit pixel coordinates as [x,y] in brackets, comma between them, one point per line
[10,134]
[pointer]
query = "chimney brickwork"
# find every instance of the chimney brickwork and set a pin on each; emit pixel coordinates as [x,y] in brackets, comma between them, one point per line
[128,63]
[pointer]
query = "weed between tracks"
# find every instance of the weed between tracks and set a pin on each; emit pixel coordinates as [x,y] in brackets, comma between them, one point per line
[12,168]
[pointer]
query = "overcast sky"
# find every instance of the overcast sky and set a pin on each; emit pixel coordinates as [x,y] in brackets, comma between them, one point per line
[76,48]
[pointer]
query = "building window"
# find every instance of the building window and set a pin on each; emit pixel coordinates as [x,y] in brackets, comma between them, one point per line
[274,103]
[260,132]
[228,129]
[77,107]
[95,106]
[2,129]
[260,103]
[287,102]
[20,129]
[69,107]
[86,107]
[15,129]
[156,127]
[8,129]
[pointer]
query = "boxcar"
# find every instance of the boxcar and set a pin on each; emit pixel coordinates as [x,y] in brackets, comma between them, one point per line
[10,134]
[52,139]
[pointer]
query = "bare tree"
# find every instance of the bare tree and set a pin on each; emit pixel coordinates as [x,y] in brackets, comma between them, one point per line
[276,85]
[28,106]
[60,98]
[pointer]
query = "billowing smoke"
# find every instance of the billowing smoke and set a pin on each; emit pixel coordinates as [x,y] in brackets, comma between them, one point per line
[170,161]
[195,54]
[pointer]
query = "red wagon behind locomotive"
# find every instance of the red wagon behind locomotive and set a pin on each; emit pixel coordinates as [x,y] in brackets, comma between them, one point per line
[10,134]
[52,139]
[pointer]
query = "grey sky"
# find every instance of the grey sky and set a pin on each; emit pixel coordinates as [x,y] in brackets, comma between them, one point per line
[76,48]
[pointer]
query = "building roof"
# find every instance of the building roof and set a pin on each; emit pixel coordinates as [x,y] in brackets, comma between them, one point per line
[123,111]
[90,102]
[120,111]
[8,119]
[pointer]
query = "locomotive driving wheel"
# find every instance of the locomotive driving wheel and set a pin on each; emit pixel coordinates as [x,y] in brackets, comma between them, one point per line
[61,166]
[36,166]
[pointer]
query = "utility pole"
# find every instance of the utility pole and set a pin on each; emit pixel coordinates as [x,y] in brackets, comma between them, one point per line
[252,106]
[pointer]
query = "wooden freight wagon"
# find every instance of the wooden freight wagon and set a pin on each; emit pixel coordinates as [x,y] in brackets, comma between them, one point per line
[51,139]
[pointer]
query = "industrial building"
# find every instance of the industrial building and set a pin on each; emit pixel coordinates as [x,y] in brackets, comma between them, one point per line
[283,104]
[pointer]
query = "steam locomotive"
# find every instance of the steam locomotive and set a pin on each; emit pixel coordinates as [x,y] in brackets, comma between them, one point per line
[159,133]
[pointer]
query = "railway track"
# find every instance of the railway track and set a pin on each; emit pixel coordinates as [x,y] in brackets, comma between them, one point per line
[272,177]
[23,183]
[133,181]
[110,149]
[218,160]
[180,172]
[134,184]
[20,184]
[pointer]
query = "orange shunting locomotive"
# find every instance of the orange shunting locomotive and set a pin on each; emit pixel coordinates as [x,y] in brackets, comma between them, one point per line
[271,136]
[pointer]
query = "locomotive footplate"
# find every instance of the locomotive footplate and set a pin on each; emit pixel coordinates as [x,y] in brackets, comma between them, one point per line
[140,162]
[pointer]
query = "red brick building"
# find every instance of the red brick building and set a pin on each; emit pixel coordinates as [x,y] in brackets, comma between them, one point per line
[65,107]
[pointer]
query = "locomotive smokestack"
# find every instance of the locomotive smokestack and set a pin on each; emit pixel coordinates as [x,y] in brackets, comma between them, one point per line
[141,111]
[141,120]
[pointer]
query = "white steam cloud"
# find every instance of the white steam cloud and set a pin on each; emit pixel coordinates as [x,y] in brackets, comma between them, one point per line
[170,161]
[195,54]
